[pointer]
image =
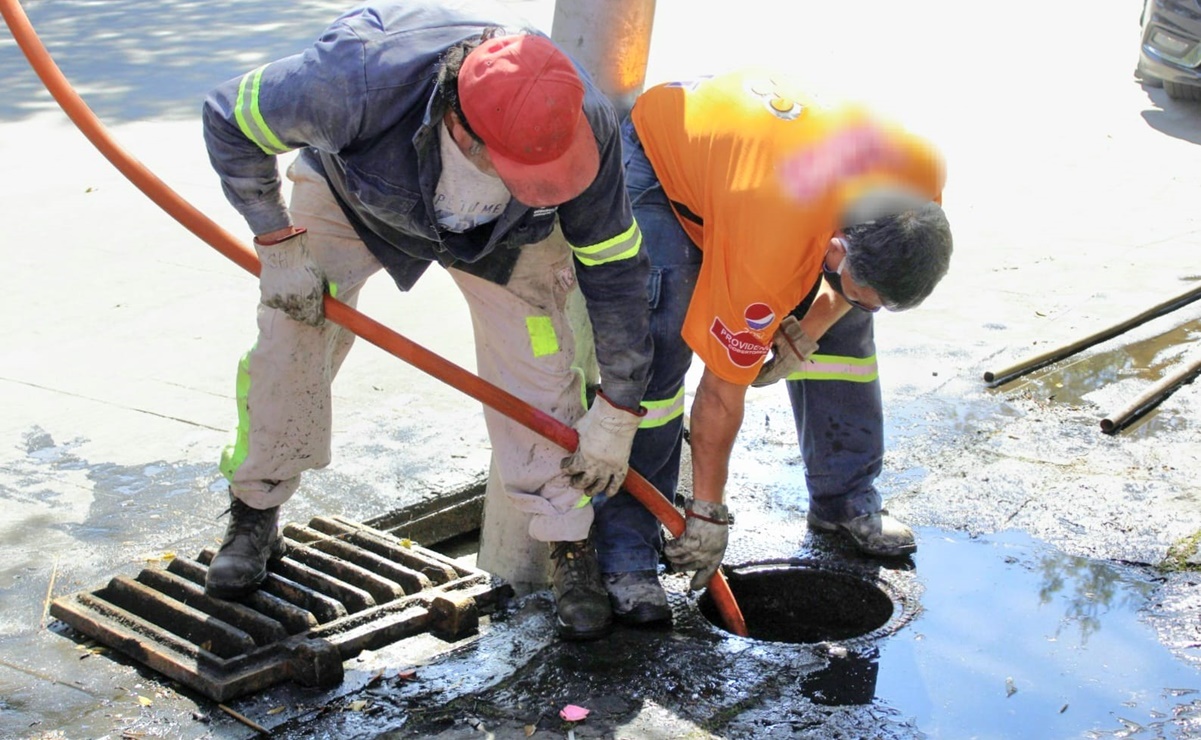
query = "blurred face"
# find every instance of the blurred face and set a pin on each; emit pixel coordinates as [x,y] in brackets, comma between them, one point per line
[838,275]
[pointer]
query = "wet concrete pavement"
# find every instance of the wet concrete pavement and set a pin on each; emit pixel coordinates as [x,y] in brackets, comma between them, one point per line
[1050,596]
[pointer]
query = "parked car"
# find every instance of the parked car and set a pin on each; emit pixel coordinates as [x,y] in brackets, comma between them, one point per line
[1170,53]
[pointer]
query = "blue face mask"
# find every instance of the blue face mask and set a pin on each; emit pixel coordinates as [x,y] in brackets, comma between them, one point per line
[834,278]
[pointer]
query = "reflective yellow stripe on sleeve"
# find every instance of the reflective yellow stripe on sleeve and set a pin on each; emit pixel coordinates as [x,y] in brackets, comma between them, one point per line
[621,247]
[837,367]
[659,413]
[250,119]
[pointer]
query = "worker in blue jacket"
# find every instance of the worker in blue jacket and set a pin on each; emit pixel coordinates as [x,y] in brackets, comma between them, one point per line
[447,133]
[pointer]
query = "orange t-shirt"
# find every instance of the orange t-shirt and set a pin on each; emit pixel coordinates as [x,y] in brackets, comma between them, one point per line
[768,170]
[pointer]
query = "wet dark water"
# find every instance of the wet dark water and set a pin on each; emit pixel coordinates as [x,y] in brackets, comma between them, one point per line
[1018,640]
[1105,380]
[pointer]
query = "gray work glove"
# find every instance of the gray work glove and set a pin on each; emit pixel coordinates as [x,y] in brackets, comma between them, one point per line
[289,279]
[701,547]
[791,346]
[600,462]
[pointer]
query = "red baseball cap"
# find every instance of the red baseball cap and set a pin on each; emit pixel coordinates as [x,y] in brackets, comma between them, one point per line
[523,98]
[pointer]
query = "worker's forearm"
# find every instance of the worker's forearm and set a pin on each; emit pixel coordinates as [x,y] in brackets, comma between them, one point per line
[716,418]
[827,308]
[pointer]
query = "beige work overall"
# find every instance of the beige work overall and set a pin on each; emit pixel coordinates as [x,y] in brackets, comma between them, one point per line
[524,342]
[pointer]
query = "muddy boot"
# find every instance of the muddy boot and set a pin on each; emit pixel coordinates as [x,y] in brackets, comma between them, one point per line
[638,599]
[878,535]
[580,599]
[250,541]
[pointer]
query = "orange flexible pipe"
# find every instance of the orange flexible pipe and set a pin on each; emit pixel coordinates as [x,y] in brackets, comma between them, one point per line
[362,325]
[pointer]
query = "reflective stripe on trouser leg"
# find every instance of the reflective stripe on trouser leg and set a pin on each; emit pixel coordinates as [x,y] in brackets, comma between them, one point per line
[283,386]
[538,368]
[840,420]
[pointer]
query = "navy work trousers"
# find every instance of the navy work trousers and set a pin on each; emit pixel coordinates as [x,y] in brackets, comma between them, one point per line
[838,415]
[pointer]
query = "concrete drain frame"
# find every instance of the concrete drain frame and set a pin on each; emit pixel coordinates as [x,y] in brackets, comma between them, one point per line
[342,587]
[813,602]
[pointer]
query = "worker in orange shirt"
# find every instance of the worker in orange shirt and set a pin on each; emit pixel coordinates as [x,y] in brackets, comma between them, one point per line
[776,225]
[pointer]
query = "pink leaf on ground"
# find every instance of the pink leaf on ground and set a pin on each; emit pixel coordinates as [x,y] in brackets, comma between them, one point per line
[572,713]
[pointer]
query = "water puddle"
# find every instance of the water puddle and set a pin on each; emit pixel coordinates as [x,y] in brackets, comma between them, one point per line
[1116,376]
[1016,639]
[1006,637]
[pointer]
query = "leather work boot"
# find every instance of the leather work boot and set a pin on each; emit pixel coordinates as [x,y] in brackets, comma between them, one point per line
[878,534]
[580,599]
[638,598]
[251,539]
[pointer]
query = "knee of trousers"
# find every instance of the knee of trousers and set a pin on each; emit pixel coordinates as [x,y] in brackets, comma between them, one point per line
[562,514]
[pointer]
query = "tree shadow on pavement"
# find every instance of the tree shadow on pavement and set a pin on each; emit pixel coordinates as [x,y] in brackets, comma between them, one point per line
[153,59]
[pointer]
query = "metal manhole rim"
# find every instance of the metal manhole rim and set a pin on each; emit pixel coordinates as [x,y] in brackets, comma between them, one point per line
[904,611]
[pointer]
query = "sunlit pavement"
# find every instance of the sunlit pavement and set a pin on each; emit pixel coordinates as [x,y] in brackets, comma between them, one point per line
[1072,192]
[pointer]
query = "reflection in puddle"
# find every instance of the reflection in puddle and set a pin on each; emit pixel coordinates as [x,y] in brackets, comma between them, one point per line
[1072,380]
[1010,638]
[849,678]
[1025,641]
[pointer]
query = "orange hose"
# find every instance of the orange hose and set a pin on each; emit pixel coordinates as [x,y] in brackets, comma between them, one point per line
[363,326]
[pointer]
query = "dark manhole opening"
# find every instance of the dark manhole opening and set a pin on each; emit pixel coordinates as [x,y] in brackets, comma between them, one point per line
[798,602]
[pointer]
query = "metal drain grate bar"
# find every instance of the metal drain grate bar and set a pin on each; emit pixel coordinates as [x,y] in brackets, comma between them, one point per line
[408,579]
[341,588]
[176,617]
[348,596]
[323,608]
[261,627]
[437,568]
[294,619]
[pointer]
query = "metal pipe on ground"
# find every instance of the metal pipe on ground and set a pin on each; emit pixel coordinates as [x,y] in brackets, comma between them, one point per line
[1152,397]
[363,326]
[1000,377]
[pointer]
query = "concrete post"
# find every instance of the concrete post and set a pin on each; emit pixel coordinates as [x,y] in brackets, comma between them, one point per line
[611,39]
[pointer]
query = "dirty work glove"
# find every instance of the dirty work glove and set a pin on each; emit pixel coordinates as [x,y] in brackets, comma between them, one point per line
[602,458]
[701,547]
[791,346]
[289,279]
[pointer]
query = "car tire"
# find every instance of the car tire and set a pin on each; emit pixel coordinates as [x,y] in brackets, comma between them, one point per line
[1177,91]
[1145,77]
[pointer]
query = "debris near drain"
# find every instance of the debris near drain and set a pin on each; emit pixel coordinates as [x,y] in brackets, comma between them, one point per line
[343,587]
[573,713]
[244,720]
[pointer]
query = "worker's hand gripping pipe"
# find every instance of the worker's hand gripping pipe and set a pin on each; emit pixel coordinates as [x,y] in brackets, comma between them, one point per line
[363,326]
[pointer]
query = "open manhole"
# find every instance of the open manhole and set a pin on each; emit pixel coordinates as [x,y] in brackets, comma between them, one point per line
[343,587]
[806,602]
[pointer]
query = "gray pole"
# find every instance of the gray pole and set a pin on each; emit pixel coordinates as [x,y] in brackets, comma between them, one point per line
[611,39]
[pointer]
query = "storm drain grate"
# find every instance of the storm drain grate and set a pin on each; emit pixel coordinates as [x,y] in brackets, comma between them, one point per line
[342,587]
